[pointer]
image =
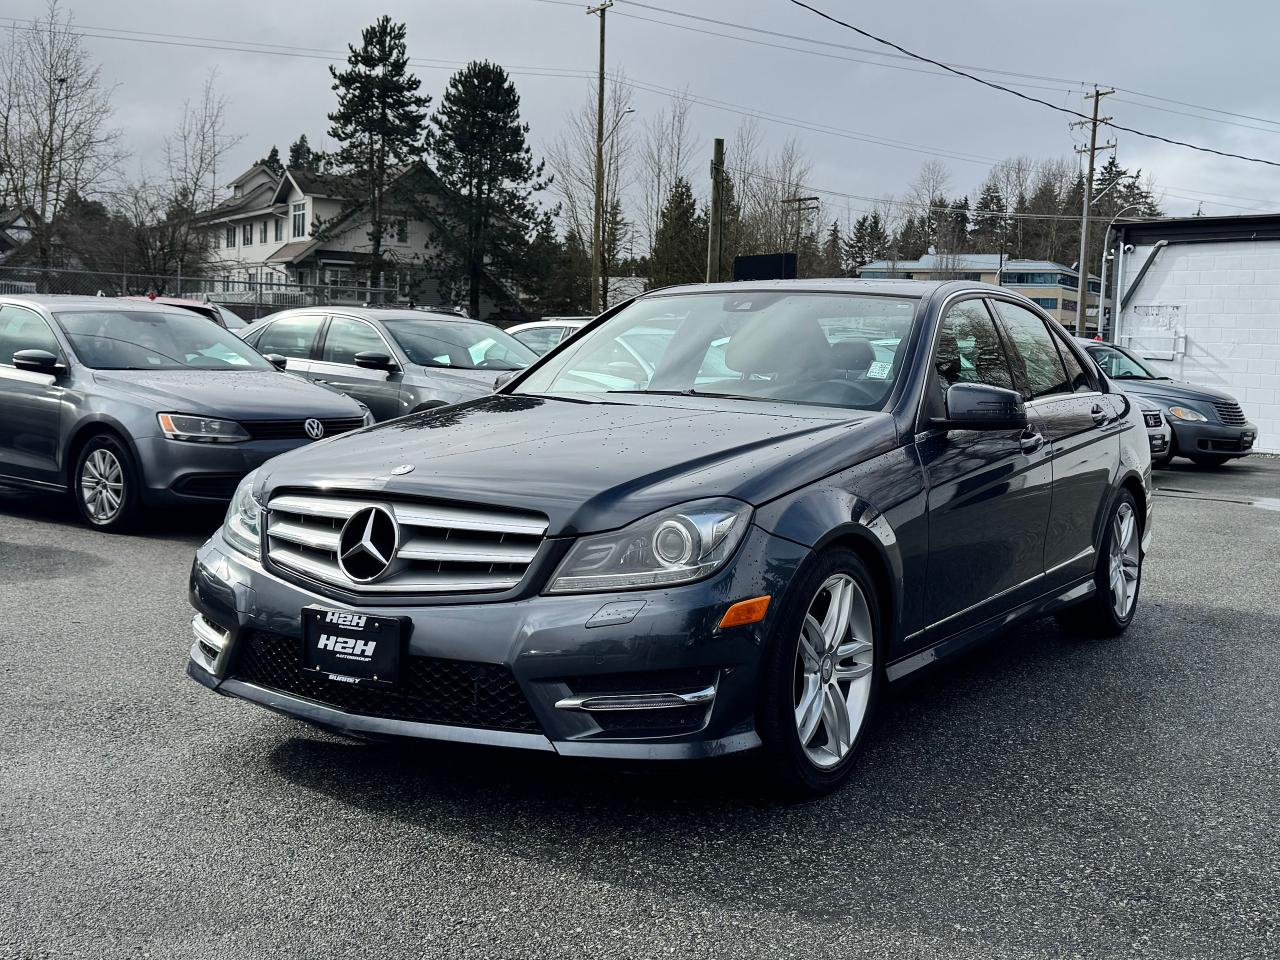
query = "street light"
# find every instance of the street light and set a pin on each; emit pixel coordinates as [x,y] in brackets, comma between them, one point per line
[1106,235]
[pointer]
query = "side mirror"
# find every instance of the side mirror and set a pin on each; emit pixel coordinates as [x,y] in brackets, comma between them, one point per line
[371,360]
[37,361]
[978,406]
[278,361]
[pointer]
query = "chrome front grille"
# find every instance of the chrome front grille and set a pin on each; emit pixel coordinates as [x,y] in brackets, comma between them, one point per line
[442,548]
[1230,413]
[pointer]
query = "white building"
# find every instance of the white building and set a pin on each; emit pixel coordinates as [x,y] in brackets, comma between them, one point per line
[285,238]
[1200,297]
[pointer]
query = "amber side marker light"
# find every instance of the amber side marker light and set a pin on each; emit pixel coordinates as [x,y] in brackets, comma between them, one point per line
[744,612]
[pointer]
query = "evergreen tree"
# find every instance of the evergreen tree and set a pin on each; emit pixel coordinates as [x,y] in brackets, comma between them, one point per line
[482,156]
[868,242]
[809,256]
[680,243]
[615,235]
[302,157]
[272,161]
[831,257]
[953,231]
[379,125]
[989,223]
[559,276]
[913,239]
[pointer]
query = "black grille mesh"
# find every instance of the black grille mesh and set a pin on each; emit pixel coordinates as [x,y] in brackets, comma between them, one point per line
[296,429]
[431,690]
[1230,412]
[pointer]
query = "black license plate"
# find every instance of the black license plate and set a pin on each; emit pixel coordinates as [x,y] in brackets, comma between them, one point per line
[352,647]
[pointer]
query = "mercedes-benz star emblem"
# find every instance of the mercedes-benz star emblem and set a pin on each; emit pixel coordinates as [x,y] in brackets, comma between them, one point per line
[314,428]
[367,545]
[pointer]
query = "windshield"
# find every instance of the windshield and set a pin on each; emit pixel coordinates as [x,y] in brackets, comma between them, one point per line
[459,344]
[1121,365]
[839,350]
[150,340]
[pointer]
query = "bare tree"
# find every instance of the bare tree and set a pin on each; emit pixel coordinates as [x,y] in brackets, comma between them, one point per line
[666,151]
[56,140]
[765,187]
[928,195]
[572,158]
[165,209]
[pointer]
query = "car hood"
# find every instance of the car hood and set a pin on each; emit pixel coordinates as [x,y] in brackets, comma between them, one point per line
[1173,390]
[464,384]
[235,395]
[589,466]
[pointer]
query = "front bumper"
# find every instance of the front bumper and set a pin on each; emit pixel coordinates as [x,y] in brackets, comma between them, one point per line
[1216,439]
[536,649]
[177,472]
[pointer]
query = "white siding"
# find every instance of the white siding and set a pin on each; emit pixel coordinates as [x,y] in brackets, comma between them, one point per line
[1209,313]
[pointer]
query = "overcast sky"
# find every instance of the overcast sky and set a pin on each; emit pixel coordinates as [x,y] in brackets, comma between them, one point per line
[1212,54]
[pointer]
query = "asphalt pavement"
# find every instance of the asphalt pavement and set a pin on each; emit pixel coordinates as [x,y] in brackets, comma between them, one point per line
[1042,797]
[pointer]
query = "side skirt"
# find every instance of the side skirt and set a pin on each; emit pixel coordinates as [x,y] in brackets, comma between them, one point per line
[1029,610]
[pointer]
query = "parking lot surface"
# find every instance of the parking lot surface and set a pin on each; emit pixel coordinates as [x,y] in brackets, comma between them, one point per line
[1042,797]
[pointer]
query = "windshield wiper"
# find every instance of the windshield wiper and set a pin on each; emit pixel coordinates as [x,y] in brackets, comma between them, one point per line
[689,392]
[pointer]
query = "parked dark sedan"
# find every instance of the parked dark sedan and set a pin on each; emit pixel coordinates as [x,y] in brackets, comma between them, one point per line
[393,361]
[819,488]
[130,404]
[1209,426]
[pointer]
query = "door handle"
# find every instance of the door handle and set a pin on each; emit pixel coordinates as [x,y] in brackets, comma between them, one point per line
[1031,440]
[1099,415]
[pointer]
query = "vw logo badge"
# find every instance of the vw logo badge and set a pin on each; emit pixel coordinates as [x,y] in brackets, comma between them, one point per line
[401,470]
[368,543]
[314,428]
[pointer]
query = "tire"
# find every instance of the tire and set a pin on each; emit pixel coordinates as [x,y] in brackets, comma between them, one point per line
[1106,613]
[106,484]
[1210,460]
[804,665]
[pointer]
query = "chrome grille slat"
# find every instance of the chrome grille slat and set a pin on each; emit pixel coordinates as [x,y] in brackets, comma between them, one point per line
[444,548]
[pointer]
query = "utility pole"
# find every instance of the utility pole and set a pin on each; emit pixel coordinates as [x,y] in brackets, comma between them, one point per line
[597,222]
[715,214]
[803,205]
[1082,289]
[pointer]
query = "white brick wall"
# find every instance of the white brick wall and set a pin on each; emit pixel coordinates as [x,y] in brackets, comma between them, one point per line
[1229,294]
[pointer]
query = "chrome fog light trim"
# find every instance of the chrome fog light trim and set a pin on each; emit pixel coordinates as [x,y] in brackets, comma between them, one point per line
[637,701]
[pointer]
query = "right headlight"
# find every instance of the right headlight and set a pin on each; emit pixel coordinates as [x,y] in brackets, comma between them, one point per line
[1186,413]
[674,546]
[242,526]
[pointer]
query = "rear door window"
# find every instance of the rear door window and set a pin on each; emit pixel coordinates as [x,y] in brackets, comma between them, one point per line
[291,337]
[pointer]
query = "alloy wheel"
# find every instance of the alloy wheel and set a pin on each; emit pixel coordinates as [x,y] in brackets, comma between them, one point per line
[1125,563]
[102,485]
[835,658]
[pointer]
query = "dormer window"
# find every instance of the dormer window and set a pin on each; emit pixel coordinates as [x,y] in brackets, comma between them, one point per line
[237,190]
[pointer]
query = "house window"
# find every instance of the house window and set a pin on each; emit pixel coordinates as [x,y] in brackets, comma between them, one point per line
[299,219]
[217,241]
[262,232]
[1049,303]
[231,238]
[246,235]
[279,229]
[1070,305]
[402,230]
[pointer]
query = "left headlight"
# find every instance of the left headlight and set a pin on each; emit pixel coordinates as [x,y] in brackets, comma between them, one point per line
[675,546]
[242,526]
[177,426]
[1186,413]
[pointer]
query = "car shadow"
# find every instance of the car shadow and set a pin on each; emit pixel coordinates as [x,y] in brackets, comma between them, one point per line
[187,524]
[969,758]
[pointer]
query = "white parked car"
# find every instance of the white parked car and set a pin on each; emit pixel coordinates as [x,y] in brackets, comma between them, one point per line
[541,335]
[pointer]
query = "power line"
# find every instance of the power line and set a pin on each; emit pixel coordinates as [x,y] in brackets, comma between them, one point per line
[1026,96]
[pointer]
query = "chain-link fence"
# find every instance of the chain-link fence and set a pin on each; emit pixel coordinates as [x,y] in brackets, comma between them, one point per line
[249,298]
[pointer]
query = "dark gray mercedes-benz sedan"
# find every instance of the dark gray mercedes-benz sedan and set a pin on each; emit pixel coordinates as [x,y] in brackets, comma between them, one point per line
[128,404]
[808,490]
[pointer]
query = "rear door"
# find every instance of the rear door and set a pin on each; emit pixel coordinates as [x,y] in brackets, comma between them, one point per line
[30,403]
[335,365]
[1060,388]
[989,490]
[293,336]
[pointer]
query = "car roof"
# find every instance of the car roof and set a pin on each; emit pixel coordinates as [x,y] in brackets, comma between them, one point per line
[379,313]
[551,322]
[54,301]
[901,288]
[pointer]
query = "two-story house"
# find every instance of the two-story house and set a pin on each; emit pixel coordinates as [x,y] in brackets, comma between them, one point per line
[290,238]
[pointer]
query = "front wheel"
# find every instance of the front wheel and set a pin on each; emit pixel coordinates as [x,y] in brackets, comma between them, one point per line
[1111,608]
[822,676]
[106,484]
